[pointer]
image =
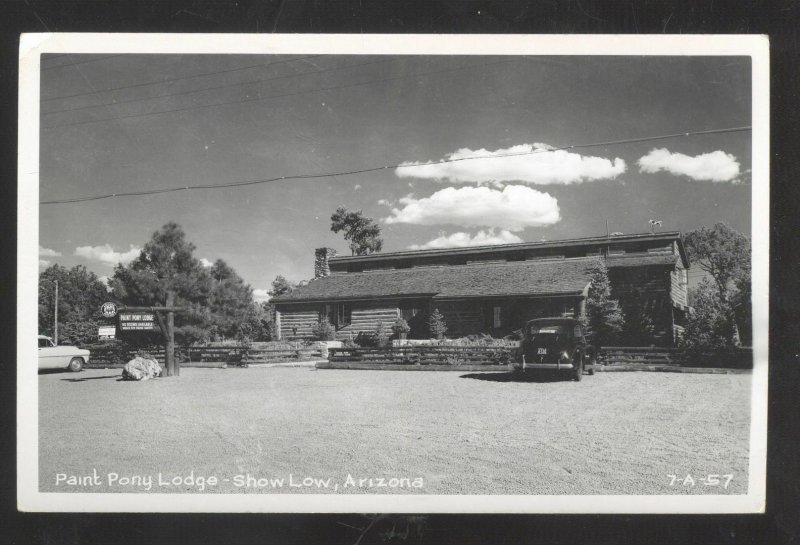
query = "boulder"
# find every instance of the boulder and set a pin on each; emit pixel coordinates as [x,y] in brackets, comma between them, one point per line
[141,369]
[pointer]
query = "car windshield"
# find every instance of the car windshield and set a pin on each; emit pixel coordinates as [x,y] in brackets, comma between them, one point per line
[43,343]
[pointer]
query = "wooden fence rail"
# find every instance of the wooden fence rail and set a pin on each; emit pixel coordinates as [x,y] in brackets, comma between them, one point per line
[233,355]
[423,355]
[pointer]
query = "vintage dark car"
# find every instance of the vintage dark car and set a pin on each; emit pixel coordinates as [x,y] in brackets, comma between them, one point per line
[555,344]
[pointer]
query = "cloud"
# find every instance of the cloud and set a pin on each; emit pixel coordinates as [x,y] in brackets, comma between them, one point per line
[44,263]
[513,208]
[205,262]
[716,166]
[47,252]
[529,163]
[462,239]
[107,255]
[261,295]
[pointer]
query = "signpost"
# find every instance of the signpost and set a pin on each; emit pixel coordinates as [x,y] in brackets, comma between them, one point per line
[150,319]
[137,320]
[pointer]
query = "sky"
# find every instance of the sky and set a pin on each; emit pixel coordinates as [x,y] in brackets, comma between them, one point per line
[473,144]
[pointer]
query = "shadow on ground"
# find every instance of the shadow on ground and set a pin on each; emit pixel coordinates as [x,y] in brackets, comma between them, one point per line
[117,376]
[510,377]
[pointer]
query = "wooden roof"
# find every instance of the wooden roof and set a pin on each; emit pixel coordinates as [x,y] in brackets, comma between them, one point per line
[534,277]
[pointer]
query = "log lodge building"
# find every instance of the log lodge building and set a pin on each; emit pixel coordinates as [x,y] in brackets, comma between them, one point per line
[489,289]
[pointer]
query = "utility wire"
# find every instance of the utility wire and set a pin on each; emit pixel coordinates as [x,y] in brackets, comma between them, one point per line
[80,62]
[255,99]
[195,91]
[387,167]
[171,80]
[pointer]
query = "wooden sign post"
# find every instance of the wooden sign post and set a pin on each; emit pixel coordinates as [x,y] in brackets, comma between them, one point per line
[167,329]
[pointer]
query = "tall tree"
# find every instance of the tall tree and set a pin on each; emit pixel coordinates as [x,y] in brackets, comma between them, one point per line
[604,316]
[362,233]
[231,302]
[724,254]
[217,299]
[720,251]
[80,294]
[281,286]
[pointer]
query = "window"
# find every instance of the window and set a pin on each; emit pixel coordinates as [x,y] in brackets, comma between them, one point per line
[338,314]
[496,317]
[45,343]
[344,315]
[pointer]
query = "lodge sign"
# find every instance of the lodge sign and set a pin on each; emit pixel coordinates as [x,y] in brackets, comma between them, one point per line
[137,321]
[108,310]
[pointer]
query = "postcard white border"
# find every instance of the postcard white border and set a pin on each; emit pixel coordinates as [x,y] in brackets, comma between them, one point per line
[32,46]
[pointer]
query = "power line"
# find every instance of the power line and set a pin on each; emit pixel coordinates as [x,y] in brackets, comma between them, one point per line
[195,91]
[171,80]
[387,167]
[98,59]
[255,99]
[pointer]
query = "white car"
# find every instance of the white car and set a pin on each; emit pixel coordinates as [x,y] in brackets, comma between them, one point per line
[61,357]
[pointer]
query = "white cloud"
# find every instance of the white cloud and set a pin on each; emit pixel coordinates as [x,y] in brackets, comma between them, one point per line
[513,208]
[205,262]
[44,263]
[47,252]
[716,166]
[529,163]
[107,255]
[462,239]
[261,295]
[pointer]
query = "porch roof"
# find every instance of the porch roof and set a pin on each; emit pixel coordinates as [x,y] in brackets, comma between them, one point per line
[522,278]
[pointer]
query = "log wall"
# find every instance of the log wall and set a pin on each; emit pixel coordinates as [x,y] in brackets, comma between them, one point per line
[366,317]
[678,286]
[302,317]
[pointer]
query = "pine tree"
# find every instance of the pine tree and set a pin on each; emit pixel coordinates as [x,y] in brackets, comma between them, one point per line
[436,324]
[604,316]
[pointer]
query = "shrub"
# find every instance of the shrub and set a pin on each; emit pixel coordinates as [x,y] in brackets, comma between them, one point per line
[400,327]
[365,339]
[710,325]
[436,324]
[323,331]
[381,335]
[78,333]
[604,318]
[501,356]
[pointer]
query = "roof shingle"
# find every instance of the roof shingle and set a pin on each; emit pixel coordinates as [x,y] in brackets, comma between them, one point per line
[535,277]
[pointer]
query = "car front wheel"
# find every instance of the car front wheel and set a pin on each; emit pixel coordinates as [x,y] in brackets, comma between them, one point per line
[75,365]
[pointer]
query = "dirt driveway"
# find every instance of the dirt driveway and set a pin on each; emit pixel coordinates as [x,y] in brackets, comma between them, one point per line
[284,430]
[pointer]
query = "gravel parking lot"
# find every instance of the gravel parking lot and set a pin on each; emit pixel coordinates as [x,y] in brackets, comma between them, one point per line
[450,432]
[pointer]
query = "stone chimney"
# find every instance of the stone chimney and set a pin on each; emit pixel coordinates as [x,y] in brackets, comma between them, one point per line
[321,257]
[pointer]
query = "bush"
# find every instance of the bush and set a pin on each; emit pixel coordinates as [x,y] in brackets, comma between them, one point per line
[78,333]
[382,335]
[323,331]
[604,319]
[710,325]
[400,327]
[436,324]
